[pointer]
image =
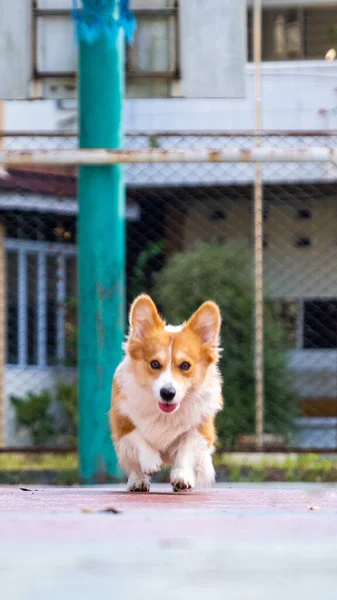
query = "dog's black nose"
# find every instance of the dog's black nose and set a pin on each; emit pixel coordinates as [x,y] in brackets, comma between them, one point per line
[167,393]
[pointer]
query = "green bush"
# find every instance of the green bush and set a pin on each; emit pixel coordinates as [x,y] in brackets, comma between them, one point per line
[67,398]
[145,267]
[32,412]
[223,273]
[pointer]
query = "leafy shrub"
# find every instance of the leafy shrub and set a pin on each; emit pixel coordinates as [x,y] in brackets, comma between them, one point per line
[33,412]
[223,273]
[67,398]
[45,425]
[146,265]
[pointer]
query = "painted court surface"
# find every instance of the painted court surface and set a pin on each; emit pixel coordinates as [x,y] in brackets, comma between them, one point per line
[243,541]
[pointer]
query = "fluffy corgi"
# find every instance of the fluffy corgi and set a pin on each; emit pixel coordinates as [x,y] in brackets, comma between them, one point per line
[166,393]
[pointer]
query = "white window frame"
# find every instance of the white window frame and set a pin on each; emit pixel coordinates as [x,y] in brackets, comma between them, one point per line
[42,251]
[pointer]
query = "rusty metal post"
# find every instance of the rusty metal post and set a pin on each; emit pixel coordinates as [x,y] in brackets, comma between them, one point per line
[258,235]
[101,157]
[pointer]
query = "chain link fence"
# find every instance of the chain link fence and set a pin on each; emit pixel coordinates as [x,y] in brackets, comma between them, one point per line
[204,214]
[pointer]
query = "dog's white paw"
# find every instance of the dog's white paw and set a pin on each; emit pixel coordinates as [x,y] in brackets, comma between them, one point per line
[205,473]
[150,462]
[182,479]
[138,484]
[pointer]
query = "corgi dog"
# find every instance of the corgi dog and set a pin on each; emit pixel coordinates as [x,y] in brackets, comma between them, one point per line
[166,393]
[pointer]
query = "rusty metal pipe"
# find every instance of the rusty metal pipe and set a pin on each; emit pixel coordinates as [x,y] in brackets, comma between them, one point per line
[155,155]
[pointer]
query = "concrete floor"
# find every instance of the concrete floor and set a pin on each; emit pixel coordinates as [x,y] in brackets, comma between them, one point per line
[253,541]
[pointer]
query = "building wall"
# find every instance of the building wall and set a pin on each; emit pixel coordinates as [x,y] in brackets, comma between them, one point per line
[293,93]
[290,272]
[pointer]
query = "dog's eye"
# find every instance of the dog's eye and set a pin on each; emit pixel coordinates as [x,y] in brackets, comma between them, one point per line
[185,366]
[155,365]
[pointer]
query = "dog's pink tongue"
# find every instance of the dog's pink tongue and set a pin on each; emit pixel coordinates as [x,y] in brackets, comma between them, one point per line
[167,408]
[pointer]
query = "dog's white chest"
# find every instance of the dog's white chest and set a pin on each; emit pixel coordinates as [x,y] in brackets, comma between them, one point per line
[162,432]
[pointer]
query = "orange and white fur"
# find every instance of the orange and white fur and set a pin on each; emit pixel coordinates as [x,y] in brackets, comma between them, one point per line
[166,393]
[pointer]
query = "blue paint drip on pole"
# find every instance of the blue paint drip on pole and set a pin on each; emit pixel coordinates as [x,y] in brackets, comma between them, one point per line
[101,229]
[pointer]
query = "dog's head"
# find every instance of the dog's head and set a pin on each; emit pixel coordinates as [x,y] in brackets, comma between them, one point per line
[172,361]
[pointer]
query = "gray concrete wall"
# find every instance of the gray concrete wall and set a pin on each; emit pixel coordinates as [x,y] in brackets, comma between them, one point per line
[15,49]
[213,43]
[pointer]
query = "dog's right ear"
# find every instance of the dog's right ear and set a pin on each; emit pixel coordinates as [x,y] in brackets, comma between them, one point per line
[144,316]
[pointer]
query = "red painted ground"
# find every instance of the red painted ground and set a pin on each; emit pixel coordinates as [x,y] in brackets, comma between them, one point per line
[77,514]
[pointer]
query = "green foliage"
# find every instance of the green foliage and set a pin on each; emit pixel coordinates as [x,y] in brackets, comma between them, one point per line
[154,142]
[48,469]
[332,32]
[303,467]
[141,279]
[223,273]
[67,398]
[33,412]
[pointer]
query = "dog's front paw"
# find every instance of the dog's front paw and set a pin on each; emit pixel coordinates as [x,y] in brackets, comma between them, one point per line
[138,484]
[182,480]
[150,462]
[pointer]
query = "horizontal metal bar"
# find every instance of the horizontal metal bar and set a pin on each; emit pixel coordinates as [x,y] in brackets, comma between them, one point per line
[129,74]
[233,133]
[54,74]
[36,450]
[155,12]
[181,133]
[139,12]
[52,12]
[152,74]
[276,450]
[237,133]
[279,4]
[38,246]
[37,134]
[154,155]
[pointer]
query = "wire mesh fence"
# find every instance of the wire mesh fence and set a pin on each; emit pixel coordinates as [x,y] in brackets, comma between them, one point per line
[190,237]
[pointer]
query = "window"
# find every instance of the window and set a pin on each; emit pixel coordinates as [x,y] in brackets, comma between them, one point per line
[303,213]
[295,33]
[302,242]
[152,61]
[310,324]
[320,324]
[41,279]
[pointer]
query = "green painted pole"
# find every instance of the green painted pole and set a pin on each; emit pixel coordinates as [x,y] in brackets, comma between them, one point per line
[101,244]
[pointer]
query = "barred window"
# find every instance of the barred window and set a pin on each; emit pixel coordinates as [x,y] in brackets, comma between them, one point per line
[295,33]
[41,277]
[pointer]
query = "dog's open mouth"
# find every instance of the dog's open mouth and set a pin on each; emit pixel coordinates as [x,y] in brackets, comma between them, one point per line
[167,408]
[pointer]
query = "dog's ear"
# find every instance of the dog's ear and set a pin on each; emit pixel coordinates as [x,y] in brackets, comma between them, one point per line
[206,323]
[144,317]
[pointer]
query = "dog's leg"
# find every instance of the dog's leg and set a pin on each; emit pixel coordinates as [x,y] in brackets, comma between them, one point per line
[192,464]
[204,470]
[139,460]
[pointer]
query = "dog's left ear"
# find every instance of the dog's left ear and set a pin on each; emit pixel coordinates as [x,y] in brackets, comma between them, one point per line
[206,322]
